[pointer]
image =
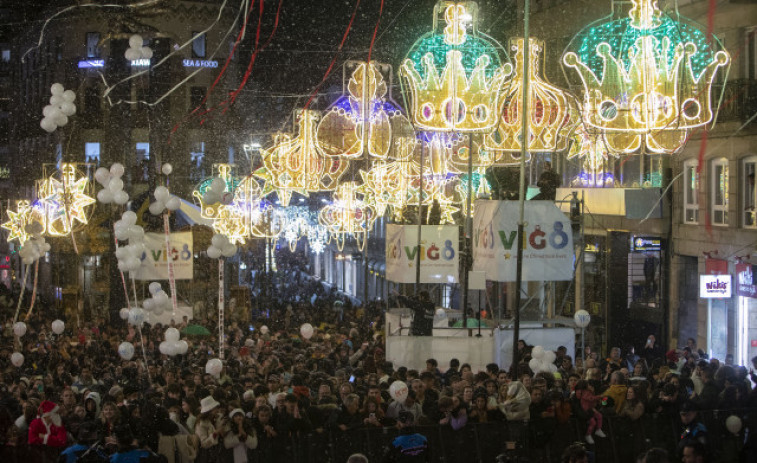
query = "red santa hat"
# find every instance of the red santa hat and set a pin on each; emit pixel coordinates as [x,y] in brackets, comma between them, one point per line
[48,408]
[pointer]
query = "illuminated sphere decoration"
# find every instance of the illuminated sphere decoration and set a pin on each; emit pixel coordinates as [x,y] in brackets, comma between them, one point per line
[454,75]
[647,79]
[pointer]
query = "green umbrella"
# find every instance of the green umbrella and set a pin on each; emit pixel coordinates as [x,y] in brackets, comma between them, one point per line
[195,330]
[472,323]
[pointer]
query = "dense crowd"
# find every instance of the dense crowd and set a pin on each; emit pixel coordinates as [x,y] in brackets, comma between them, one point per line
[74,396]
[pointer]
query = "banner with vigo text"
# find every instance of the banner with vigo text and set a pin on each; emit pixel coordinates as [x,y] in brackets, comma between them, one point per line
[439,253]
[548,253]
[155,258]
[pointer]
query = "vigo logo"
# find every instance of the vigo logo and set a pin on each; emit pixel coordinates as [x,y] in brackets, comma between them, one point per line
[537,239]
[432,252]
[174,254]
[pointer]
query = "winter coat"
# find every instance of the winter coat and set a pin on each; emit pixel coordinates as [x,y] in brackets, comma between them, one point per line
[516,407]
[53,436]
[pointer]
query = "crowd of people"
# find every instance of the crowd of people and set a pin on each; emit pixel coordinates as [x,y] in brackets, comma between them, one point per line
[75,399]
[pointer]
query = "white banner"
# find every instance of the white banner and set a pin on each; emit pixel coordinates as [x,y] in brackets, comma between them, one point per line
[547,241]
[155,259]
[439,253]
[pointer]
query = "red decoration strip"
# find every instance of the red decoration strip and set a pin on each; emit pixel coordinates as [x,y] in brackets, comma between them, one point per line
[375,30]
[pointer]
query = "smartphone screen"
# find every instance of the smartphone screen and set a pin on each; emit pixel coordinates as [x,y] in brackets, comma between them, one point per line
[352,379]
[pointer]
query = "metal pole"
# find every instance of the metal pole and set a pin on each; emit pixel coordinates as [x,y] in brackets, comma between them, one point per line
[420,224]
[522,188]
[365,270]
[583,347]
[468,234]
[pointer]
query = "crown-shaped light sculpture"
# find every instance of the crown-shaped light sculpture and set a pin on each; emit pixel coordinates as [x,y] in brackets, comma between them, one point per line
[647,79]
[67,199]
[366,120]
[591,147]
[453,76]
[549,122]
[347,216]
[230,218]
[294,165]
[265,220]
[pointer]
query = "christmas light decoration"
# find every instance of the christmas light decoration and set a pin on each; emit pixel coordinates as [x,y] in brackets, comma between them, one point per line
[347,216]
[67,200]
[591,147]
[318,236]
[480,187]
[228,219]
[647,79]
[454,75]
[294,165]
[365,120]
[18,221]
[549,118]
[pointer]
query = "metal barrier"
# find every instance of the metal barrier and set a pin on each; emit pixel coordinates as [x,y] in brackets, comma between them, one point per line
[538,440]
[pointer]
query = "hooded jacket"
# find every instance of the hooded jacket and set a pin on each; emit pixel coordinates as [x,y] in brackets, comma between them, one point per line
[95,397]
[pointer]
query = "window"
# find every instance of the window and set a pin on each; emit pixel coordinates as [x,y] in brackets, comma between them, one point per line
[748,192]
[92,152]
[750,53]
[142,165]
[5,57]
[690,191]
[231,155]
[143,151]
[197,156]
[93,41]
[198,45]
[197,98]
[719,192]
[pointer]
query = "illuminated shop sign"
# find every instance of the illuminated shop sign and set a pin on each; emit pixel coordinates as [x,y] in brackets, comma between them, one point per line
[714,286]
[142,62]
[197,63]
[645,243]
[91,63]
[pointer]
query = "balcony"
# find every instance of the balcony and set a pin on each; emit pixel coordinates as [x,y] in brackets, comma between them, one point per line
[739,100]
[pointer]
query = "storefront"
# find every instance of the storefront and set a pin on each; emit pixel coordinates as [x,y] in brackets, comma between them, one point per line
[746,297]
[716,290]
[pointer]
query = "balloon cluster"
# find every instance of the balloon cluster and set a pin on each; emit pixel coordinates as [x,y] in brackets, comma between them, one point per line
[129,256]
[220,246]
[159,300]
[136,316]
[33,248]
[164,200]
[216,193]
[542,360]
[61,107]
[172,344]
[136,50]
[214,367]
[113,185]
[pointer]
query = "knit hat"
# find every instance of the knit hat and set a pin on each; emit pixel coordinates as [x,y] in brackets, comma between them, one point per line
[235,411]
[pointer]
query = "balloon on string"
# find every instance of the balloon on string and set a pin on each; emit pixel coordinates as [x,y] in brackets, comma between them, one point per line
[733,424]
[102,176]
[120,197]
[166,168]
[537,352]
[534,365]
[56,89]
[306,330]
[124,313]
[165,348]
[156,208]
[69,96]
[264,329]
[129,217]
[173,203]
[214,367]
[126,350]
[214,252]
[19,329]
[549,356]
[58,326]
[182,347]
[398,391]
[136,316]
[154,287]
[17,359]
[105,196]
[172,335]
[48,125]
[161,194]
[229,249]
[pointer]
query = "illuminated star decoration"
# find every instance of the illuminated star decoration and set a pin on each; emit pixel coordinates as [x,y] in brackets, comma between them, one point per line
[647,79]
[17,222]
[347,216]
[294,165]
[366,121]
[453,75]
[66,201]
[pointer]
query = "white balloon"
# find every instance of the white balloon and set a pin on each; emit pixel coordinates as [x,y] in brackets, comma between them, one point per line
[154,287]
[148,304]
[136,41]
[165,348]
[229,249]
[173,203]
[549,356]
[218,240]
[733,424]
[136,233]
[58,326]
[57,100]
[158,310]
[69,96]
[182,347]
[136,316]
[48,125]
[19,329]
[172,335]
[133,264]
[306,330]
[161,297]
[122,266]
[132,54]
[124,313]
[398,391]
[102,175]
[56,89]
[214,252]
[68,108]
[582,318]
[105,196]
[27,260]
[47,111]
[166,169]
[121,198]
[161,194]
[117,169]
[264,329]
[537,352]
[126,350]
[61,120]
[534,365]
[147,54]
[210,198]
[214,367]
[157,207]
[218,185]
[115,185]
[17,359]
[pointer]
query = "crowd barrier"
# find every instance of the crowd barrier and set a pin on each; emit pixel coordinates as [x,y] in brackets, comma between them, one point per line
[537,440]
